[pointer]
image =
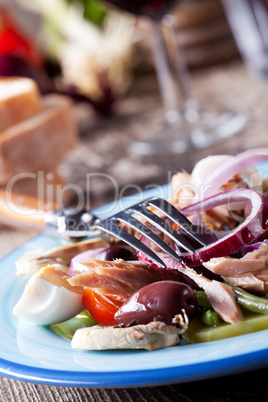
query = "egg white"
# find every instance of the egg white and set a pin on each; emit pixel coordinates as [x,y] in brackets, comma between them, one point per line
[44,303]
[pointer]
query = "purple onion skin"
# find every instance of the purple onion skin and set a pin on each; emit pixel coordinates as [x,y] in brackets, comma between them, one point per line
[252,247]
[162,300]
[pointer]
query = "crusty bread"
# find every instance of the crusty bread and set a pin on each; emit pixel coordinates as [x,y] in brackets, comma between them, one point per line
[40,142]
[19,100]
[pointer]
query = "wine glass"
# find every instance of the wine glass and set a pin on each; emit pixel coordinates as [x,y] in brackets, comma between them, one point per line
[248,20]
[184,125]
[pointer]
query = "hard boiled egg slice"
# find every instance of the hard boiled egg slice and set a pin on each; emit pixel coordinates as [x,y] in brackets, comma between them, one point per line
[48,298]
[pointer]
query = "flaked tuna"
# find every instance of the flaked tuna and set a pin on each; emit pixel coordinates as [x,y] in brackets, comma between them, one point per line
[120,277]
[182,189]
[58,257]
[249,272]
[220,295]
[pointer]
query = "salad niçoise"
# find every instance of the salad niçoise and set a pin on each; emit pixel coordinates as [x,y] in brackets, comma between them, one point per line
[102,294]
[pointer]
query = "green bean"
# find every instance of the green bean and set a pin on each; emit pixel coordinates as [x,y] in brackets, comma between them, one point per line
[207,315]
[250,302]
[198,332]
[202,299]
[67,329]
[210,318]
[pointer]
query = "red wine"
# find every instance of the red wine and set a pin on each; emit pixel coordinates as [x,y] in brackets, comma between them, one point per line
[150,8]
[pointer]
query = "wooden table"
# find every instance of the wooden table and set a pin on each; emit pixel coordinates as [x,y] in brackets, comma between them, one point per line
[101,150]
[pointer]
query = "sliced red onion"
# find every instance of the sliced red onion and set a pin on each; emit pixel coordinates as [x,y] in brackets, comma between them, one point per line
[251,247]
[254,225]
[205,167]
[230,168]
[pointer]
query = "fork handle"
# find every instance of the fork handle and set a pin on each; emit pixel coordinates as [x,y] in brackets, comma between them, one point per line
[24,211]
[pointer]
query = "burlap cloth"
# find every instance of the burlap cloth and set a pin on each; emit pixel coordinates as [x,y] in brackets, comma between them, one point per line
[102,150]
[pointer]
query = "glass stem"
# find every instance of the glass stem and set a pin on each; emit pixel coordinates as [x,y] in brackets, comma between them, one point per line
[165,76]
[189,103]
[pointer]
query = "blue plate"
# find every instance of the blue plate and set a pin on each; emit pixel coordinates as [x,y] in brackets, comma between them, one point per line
[35,354]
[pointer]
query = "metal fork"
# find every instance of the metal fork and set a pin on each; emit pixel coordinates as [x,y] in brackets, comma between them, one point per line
[79,224]
[111,226]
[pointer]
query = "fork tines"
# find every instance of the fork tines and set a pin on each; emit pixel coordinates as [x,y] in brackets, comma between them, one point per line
[110,225]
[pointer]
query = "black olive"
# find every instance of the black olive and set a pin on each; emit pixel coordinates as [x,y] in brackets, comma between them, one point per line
[116,252]
[162,299]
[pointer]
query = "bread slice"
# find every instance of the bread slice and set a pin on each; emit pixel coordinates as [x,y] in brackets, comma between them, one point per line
[40,142]
[19,100]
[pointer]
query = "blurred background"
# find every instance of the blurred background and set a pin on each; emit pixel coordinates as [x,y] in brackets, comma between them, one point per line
[101,58]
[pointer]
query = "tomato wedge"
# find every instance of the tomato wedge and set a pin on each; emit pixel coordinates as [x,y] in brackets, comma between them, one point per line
[101,307]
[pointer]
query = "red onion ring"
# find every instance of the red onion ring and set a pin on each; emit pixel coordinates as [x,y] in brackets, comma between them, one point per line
[231,167]
[254,225]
